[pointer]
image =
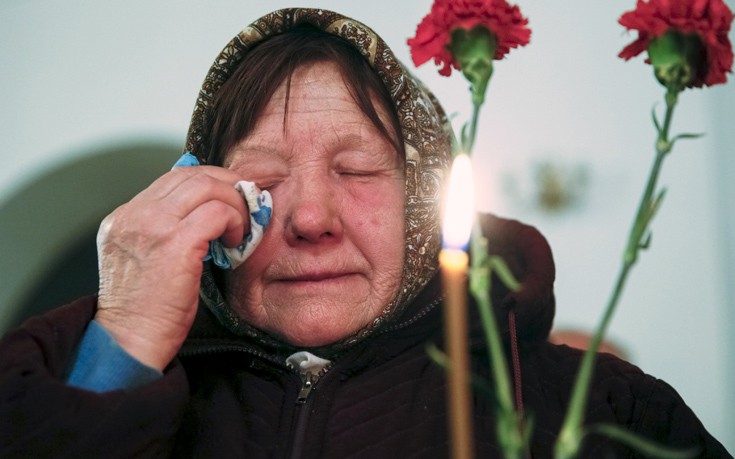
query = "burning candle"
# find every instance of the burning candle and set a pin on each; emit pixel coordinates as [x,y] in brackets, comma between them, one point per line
[458,218]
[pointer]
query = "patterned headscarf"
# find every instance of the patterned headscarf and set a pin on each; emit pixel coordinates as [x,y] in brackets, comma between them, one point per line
[425,131]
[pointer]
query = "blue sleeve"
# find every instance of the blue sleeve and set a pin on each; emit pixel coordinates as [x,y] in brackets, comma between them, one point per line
[101,365]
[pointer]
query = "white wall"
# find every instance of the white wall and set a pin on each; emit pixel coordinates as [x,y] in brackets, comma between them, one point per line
[76,75]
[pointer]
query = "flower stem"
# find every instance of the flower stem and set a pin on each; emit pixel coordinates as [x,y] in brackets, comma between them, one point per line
[571,434]
[470,141]
[509,428]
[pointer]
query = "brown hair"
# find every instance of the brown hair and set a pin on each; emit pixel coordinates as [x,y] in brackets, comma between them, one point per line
[242,98]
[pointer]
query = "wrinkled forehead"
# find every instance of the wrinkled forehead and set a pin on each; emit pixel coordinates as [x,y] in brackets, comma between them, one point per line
[314,115]
[238,104]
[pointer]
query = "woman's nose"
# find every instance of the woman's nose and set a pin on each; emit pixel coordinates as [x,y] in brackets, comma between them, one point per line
[314,215]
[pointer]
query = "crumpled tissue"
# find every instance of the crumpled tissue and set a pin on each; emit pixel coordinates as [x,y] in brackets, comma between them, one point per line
[260,205]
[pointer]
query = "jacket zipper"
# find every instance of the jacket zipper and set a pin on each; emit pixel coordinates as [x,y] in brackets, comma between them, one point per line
[304,401]
[307,384]
[309,381]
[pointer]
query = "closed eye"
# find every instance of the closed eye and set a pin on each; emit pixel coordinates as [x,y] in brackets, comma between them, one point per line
[267,184]
[357,173]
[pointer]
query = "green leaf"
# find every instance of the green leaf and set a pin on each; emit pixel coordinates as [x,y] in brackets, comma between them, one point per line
[686,136]
[479,278]
[690,135]
[642,444]
[504,273]
[646,241]
[464,136]
[653,208]
[656,204]
[655,119]
[478,383]
[438,356]
[528,429]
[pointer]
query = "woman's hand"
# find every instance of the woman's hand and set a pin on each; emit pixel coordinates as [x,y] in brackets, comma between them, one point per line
[150,257]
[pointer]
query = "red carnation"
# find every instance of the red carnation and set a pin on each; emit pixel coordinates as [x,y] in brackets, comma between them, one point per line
[709,20]
[433,35]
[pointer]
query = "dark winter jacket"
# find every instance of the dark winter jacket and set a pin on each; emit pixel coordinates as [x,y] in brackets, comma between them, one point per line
[229,393]
[383,397]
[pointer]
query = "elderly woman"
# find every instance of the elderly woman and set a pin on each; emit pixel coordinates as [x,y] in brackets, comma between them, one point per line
[314,344]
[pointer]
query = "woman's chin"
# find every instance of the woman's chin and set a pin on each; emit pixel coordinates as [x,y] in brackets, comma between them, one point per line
[316,339]
[318,333]
[315,321]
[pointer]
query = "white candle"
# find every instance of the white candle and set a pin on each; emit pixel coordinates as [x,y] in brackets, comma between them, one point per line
[458,216]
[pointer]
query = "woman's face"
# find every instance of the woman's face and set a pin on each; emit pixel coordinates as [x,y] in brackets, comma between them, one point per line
[332,257]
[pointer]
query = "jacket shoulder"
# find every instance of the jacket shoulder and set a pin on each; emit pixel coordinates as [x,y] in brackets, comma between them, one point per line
[620,394]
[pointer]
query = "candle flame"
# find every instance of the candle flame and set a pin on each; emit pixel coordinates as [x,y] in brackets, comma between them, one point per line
[459,207]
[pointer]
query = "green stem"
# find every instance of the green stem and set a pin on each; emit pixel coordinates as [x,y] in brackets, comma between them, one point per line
[570,436]
[643,216]
[470,142]
[480,287]
[509,426]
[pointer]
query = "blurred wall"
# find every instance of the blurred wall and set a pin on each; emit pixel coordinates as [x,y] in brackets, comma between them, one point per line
[47,222]
[81,77]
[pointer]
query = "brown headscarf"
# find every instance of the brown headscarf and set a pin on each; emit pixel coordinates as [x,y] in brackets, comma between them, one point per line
[424,128]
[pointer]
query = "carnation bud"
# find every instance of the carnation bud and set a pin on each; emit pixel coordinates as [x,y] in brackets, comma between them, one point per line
[678,59]
[473,50]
